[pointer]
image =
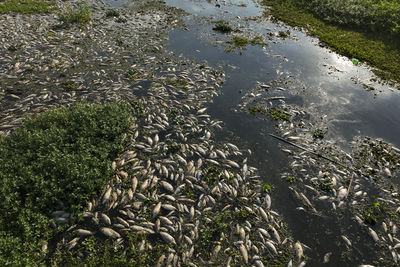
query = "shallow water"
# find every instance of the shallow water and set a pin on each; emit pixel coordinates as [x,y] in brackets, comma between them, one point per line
[328,86]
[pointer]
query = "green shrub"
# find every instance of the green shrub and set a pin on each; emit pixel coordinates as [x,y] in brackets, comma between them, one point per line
[80,14]
[60,156]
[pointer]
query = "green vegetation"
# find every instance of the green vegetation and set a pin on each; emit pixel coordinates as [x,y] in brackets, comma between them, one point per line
[257,109]
[69,85]
[211,174]
[212,231]
[112,13]
[14,48]
[267,188]
[59,159]
[319,133]
[257,40]
[26,6]
[367,30]
[132,74]
[373,15]
[173,147]
[291,179]
[374,213]
[177,82]
[79,14]
[241,42]
[106,253]
[222,26]
[325,184]
[278,114]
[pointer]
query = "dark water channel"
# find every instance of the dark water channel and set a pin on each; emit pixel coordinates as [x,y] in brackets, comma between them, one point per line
[315,79]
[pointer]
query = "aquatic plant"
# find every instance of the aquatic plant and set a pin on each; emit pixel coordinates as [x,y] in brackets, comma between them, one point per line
[222,26]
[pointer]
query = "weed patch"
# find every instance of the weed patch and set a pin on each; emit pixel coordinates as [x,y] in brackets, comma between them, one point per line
[222,26]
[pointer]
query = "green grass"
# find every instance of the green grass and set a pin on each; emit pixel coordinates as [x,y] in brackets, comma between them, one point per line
[78,14]
[26,6]
[378,47]
[372,15]
[112,13]
[64,156]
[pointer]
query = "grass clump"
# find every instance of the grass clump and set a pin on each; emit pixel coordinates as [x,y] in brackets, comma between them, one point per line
[59,159]
[347,33]
[241,42]
[278,114]
[222,26]
[112,13]
[26,6]
[79,14]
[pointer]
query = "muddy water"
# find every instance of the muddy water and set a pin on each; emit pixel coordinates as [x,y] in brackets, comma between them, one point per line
[328,86]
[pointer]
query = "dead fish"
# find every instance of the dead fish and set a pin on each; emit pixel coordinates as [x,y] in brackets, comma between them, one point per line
[263,214]
[326,257]
[110,232]
[346,240]
[157,209]
[342,193]
[373,234]
[245,255]
[107,195]
[167,186]
[388,172]
[268,201]
[299,250]
[105,219]
[167,238]
[83,232]
[271,247]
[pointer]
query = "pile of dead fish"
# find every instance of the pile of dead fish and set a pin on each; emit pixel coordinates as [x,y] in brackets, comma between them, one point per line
[44,63]
[174,180]
[322,175]
[173,153]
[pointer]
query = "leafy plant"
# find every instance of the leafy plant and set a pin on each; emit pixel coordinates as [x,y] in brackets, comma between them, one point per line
[79,14]
[267,188]
[59,159]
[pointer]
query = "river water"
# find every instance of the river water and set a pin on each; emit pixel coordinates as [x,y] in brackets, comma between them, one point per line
[334,92]
[328,86]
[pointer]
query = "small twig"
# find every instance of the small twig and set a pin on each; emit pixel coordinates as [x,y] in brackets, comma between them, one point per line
[348,189]
[310,151]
